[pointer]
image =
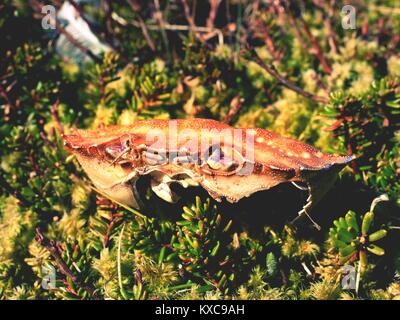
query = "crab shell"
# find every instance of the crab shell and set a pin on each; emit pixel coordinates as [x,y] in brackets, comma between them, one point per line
[229,163]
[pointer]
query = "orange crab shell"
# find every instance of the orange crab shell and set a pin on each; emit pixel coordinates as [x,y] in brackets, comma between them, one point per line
[274,159]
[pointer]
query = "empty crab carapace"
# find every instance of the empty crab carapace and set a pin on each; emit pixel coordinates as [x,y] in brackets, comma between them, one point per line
[228,162]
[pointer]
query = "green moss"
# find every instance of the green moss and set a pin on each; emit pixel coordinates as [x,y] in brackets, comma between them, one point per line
[197,248]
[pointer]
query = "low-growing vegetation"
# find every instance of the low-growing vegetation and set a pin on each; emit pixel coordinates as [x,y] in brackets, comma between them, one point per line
[298,68]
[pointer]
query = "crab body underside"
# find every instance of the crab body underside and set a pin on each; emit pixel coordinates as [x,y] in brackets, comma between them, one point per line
[228,162]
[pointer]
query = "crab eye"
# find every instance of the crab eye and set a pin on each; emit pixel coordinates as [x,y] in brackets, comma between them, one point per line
[220,159]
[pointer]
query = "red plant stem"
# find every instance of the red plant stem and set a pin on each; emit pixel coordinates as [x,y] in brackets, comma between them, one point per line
[135,5]
[317,49]
[236,105]
[56,117]
[261,29]
[190,20]
[272,71]
[10,105]
[54,251]
[214,4]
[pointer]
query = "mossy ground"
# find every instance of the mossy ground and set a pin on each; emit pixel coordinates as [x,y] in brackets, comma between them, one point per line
[154,62]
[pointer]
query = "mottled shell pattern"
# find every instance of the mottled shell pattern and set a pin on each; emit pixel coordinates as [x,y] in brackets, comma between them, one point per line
[228,162]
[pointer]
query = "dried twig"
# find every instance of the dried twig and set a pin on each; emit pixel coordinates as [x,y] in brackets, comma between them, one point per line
[106,4]
[316,49]
[297,32]
[52,248]
[56,117]
[177,27]
[236,104]
[214,4]
[107,205]
[272,71]
[135,5]
[261,30]
[328,9]
[332,41]
[192,25]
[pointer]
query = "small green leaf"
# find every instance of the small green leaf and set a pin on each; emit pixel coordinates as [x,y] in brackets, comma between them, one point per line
[377,235]
[215,249]
[345,235]
[367,221]
[376,250]
[352,220]
[348,250]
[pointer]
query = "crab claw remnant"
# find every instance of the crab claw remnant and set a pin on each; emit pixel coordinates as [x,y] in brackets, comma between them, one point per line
[228,162]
